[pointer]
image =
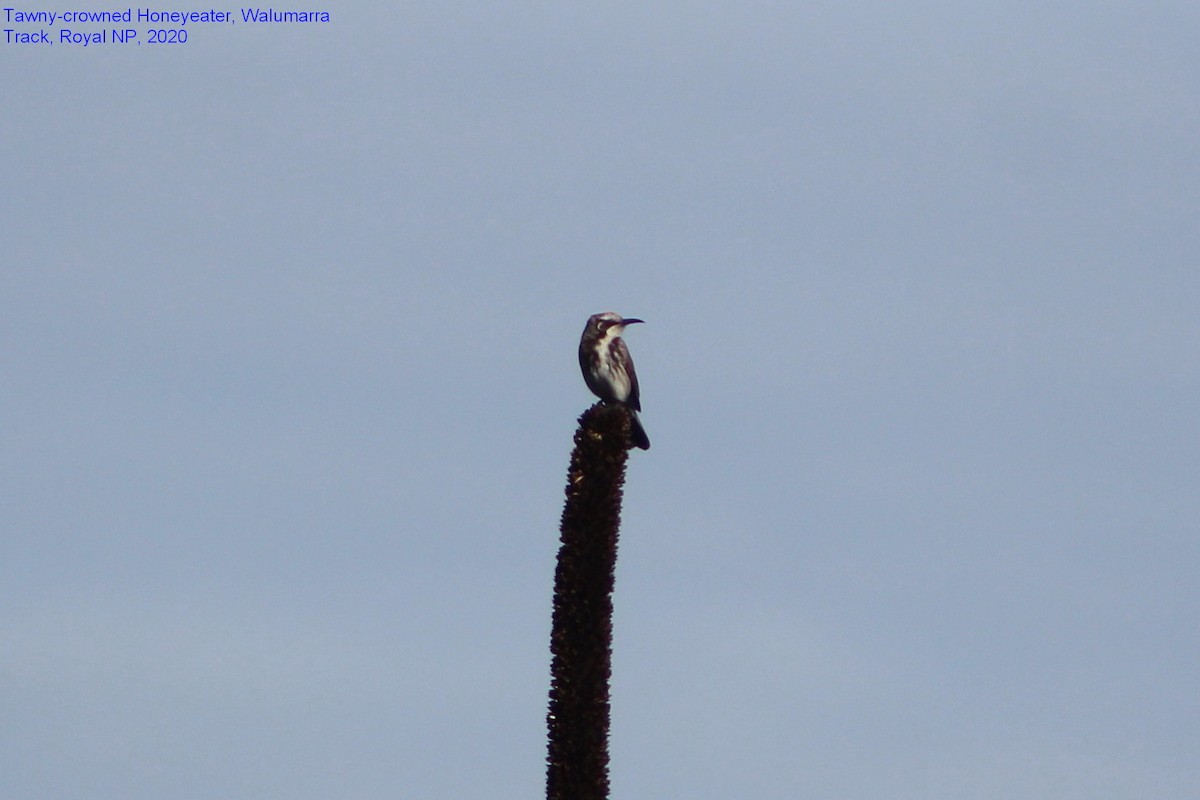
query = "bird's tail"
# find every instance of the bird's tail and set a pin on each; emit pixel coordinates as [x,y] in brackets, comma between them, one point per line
[637,434]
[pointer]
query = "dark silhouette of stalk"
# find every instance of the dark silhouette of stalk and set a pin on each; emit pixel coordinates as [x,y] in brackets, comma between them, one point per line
[581,635]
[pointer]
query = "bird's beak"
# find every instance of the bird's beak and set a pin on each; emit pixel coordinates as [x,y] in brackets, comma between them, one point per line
[630,321]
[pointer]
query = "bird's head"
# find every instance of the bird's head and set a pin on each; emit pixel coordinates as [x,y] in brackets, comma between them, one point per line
[608,324]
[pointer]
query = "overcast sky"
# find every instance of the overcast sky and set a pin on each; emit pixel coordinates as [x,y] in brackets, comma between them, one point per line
[289,318]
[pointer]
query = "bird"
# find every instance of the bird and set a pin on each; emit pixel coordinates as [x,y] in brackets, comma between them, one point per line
[608,369]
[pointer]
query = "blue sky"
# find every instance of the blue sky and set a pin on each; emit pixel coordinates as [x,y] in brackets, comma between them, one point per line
[289,318]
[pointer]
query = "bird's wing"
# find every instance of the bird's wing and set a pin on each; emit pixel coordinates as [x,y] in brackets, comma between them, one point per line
[634,400]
